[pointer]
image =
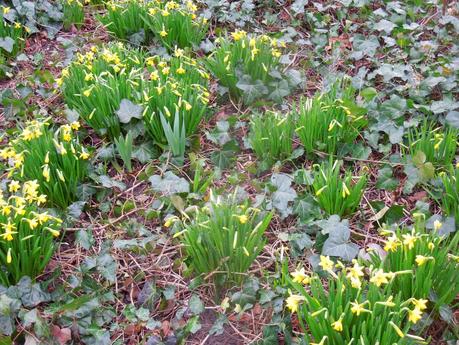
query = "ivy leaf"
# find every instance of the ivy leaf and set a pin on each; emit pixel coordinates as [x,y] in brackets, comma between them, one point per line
[453,118]
[85,191]
[363,46]
[413,178]
[306,208]
[284,194]
[218,326]
[195,304]
[106,266]
[193,325]
[447,314]
[75,209]
[300,242]
[30,317]
[396,135]
[128,111]
[143,153]
[226,155]
[8,309]
[333,222]
[266,296]
[148,295]
[130,244]
[220,134]
[338,244]
[294,77]
[359,150]
[252,90]
[297,153]
[298,6]
[385,179]
[169,292]
[390,71]
[384,25]
[169,184]
[389,127]
[438,107]
[108,182]
[248,294]
[137,38]
[7,43]
[84,238]
[30,294]
[394,214]
[280,90]
[106,152]
[394,107]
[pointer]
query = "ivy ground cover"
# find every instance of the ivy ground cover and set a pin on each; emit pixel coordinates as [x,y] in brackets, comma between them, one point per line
[214,172]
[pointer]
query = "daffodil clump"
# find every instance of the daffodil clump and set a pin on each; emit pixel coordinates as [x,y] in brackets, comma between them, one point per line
[433,260]
[96,82]
[271,136]
[337,194]
[449,200]
[123,18]
[354,305]
[73,11]
[437,143]
[13,35]
[172,23]
[176,24]
[248,65]
[55,159]
[329,119]
[26,232]
[223,240]
[175,88]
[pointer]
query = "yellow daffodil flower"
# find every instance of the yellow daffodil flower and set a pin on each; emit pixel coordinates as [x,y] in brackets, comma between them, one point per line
[293,301]
[238,35]
[421,259]
[337,325]
[437,225]
[379,278]
[420,304]
[300,276]
[414,315]
[326,263]
[9,230]
[14,186]
[409,240]
[391,244]
[358,308]
[243,219]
